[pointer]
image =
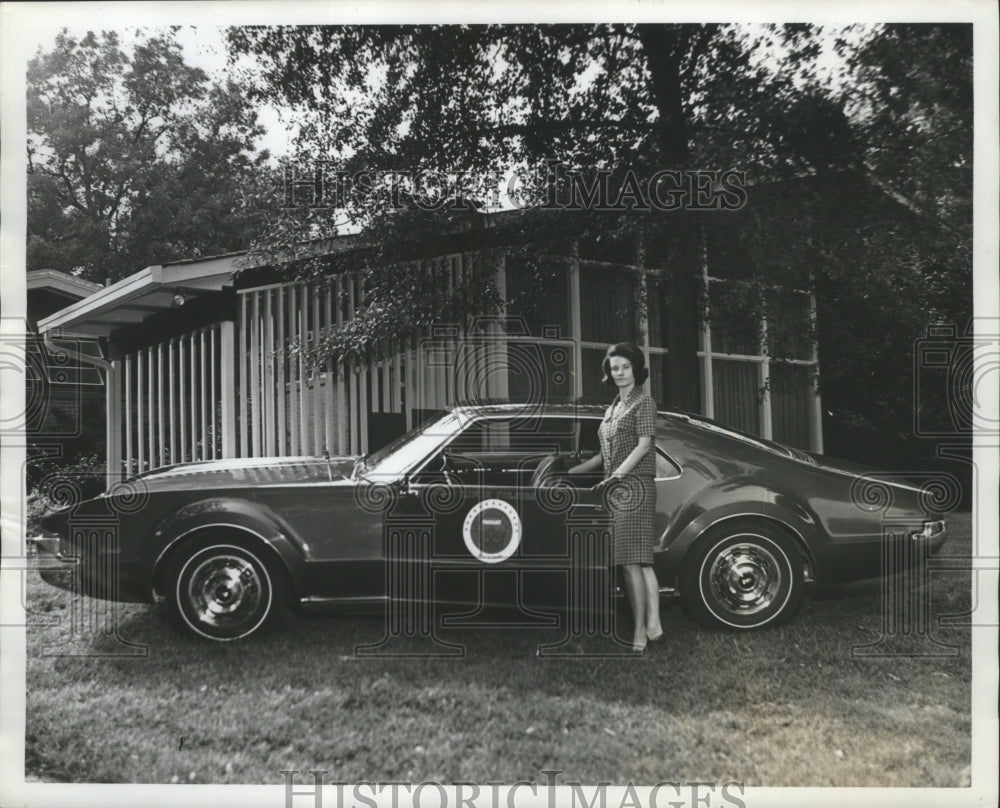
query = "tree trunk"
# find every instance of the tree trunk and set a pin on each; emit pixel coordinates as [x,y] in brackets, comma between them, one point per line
[664,46]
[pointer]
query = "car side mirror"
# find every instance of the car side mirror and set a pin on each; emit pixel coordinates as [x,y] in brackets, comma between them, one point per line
[404,484]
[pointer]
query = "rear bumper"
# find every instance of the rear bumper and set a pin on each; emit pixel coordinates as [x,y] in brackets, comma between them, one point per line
[933,535]
[899,547]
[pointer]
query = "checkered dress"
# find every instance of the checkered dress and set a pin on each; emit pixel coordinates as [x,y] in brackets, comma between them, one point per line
[633,503]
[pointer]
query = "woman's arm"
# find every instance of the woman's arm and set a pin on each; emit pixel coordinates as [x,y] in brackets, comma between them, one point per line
[636,455]
[587,465]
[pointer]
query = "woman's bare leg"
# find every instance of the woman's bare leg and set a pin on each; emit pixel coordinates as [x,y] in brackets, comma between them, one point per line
[636,589]
[652,586]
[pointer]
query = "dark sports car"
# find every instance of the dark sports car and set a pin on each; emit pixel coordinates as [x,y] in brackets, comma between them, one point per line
[476,494]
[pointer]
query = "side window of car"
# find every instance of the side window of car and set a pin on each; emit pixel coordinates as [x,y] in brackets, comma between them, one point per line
[543,435]
[546,434]
[474,439]
[666,468]
[590,444]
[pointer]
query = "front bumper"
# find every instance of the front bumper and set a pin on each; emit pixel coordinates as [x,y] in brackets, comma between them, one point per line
[96,573]
[54,567]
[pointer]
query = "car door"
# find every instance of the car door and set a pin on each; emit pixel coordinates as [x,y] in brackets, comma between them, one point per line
[498,539]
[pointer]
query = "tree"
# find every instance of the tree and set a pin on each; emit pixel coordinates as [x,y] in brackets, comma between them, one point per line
[482,99]
[911,107]
[134,157]
[841,194]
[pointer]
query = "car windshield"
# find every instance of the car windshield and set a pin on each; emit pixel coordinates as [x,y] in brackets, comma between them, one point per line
[407,450]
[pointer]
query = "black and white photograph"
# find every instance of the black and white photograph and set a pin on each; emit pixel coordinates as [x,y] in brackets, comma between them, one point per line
[441,405]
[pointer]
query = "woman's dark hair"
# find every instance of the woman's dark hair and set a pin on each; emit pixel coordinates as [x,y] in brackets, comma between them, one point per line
[626,350]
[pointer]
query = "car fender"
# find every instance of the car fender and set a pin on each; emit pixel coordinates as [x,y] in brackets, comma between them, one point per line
[735,500]
[251,518]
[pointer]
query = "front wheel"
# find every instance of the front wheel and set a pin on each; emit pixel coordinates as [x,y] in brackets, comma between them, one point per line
[224,590]
[742,576]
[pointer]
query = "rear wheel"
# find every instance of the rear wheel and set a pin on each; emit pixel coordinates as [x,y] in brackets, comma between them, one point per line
[225,589]
[744,575]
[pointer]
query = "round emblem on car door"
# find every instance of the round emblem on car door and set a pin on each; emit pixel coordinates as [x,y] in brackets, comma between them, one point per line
[492,530]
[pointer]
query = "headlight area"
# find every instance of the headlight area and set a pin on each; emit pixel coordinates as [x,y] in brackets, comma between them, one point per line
[45,547]
[49,555]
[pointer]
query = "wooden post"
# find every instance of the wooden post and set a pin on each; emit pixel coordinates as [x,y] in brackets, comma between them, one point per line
[575,327]
[150,403]
[287,413]
[342,447]
[172,399]
[129,457]
[140,413]
[816,416]
[227,383]
[255,387]
[113,425]
[162,446]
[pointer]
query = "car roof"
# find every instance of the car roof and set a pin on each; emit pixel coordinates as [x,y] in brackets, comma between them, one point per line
[505,406]
[527,407]
[695,420]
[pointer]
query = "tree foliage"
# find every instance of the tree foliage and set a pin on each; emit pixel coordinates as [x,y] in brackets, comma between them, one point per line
[860,180]
[486,100]
[134,156]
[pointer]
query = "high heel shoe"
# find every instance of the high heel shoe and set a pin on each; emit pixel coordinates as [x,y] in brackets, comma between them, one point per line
[654,637]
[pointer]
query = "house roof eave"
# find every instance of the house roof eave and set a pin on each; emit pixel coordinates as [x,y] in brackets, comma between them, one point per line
[141,295]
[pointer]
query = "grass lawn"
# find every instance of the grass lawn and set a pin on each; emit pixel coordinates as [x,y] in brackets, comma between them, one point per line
[790,706]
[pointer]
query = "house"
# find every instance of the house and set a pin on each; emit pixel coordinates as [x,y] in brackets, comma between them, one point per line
[61,379]
[198,367]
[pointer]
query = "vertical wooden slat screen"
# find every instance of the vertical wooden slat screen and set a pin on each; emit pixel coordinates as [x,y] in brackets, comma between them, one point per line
[176,401]
[172,397]
[113,418]
[213,398]
[129,374]
[408,344]
[140,409]
[244,371]
[159,376]
[329,390]
[284,326]
[228,370]
[289,406]
[397,378]
[270,394]
[342,447]
[203,394]
[362,408]
[316,392]
[182,378]
[301,391]
[193,393]
[352,374]
[150,424]
[252,427]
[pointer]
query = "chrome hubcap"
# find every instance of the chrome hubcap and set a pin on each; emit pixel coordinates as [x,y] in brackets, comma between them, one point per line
[745,578]
[224,591]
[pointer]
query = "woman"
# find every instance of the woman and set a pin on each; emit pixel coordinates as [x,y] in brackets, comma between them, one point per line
[628,456]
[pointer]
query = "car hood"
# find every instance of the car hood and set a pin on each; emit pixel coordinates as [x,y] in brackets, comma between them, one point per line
[246,472]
